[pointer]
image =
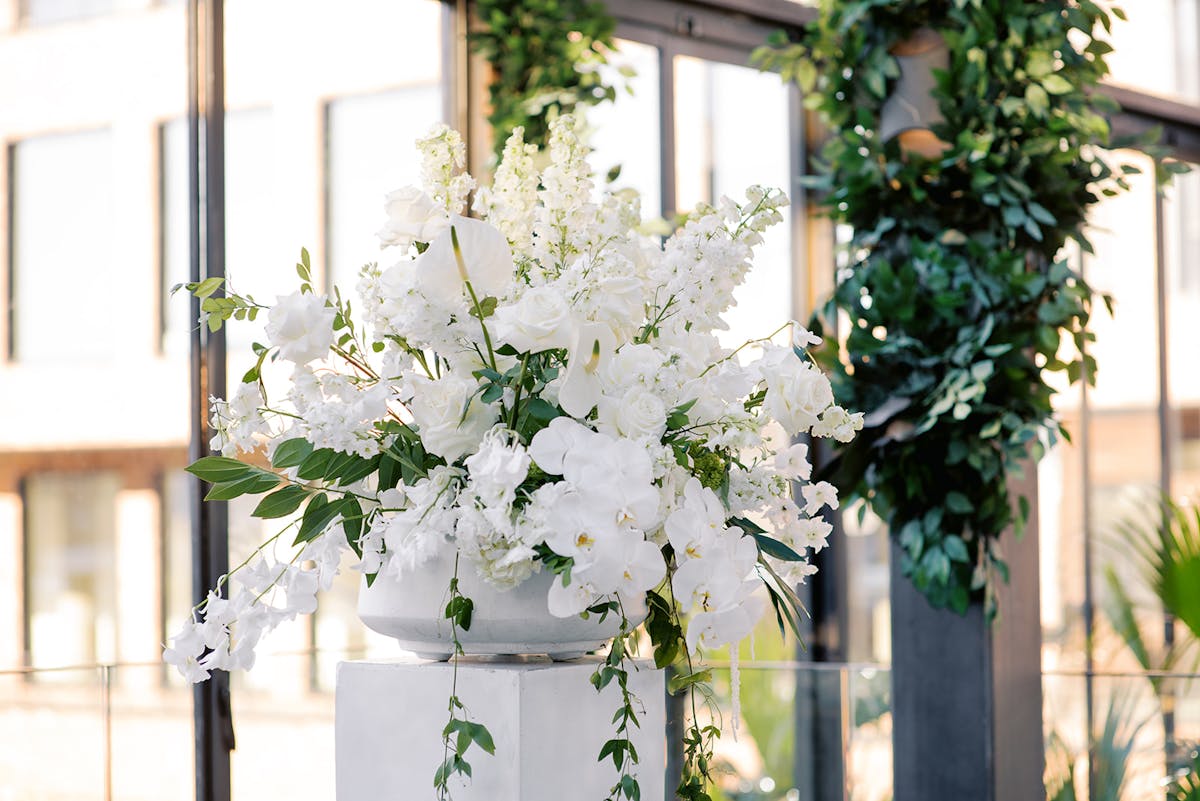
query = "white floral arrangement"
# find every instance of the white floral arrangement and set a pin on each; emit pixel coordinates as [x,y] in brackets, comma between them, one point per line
[537,388]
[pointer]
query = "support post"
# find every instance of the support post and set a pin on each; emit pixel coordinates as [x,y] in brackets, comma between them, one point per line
[213,722]
[967,693]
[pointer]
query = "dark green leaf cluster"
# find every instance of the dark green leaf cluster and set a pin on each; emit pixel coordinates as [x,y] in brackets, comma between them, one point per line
[956,293]
[545,56]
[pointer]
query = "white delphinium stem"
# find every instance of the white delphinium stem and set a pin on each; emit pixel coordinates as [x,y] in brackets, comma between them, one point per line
[444,155]
[566,213]
[510,202]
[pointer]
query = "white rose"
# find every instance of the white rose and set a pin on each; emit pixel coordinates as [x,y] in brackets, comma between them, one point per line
[437,409]
[540,320]
[301,326]
[638,413]
[412,217]
[797,392]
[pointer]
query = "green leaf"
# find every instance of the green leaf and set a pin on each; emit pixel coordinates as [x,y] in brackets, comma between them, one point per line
[958,503]
[775,548]
[352,520]
[216,469]
[319,513]
[1057,85]
[258,481]
[956,549]
[315,464]
[291,452]
[682,681]
[281,502]
[206,287]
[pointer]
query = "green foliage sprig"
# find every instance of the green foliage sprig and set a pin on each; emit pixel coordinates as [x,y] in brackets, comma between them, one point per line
[546,57]
[957,296]
[460,733]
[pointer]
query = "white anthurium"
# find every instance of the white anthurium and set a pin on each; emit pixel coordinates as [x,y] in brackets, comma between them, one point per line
[541,320]
[482,256]
[581,387]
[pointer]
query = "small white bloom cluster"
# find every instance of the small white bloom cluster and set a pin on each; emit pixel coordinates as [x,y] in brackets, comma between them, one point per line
[550,381]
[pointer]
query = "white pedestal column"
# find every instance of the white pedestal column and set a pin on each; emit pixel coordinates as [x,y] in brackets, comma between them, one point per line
[546,718]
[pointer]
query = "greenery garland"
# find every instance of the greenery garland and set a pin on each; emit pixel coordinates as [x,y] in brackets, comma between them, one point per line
[956,293]
[546,57]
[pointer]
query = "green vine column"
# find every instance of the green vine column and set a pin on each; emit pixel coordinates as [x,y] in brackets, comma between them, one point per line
[545,57]
[958,302]
[958,295]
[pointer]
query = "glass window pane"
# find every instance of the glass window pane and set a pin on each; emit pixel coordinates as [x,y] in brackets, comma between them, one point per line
[369,153]
[718,109]
[1181,229]
[70,554]
[639,157]
[42,12]
[65,265]
[1158,47]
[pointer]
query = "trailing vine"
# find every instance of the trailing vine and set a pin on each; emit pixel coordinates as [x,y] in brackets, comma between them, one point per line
[958,298]
[460,732]
[545,57]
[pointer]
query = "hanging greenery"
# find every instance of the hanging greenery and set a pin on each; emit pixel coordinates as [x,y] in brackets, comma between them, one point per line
[546,57]
[958,298]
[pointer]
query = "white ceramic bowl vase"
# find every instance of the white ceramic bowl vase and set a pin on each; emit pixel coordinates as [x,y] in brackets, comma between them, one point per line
[411,610]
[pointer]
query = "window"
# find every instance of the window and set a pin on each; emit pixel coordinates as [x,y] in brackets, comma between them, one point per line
[67,273]
[44,12]
[70,557]
[369,152]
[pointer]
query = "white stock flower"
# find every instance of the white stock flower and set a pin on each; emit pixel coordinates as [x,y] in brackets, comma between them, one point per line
[818,496]
[412,217]
[498,467]
[802,337]
[301,326]
[836,422]
[792,463]
[238,424]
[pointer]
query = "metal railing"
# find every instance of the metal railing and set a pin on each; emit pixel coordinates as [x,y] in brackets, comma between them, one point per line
[805,732]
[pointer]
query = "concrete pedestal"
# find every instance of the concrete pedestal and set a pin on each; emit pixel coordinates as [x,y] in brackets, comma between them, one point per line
[546,718]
